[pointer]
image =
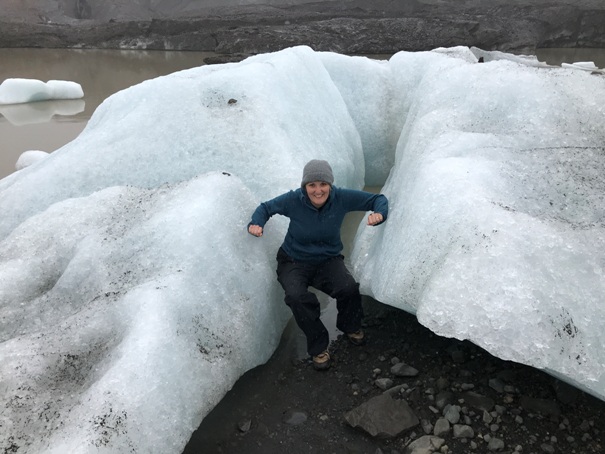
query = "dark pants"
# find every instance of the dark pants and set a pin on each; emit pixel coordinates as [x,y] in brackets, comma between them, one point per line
[331,277]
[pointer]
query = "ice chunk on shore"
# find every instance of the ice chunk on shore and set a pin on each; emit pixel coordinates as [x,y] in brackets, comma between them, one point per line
[132,298]
[497,227]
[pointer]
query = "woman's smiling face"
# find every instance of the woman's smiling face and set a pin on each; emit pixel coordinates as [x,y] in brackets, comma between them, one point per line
[318,192]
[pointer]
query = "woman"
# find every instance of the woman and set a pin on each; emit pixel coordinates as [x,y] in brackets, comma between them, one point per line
[311,253]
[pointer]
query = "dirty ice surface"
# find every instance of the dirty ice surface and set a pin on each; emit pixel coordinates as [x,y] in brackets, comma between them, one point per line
[132,298]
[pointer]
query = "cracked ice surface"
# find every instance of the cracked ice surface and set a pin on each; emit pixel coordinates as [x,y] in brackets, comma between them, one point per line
[497,227]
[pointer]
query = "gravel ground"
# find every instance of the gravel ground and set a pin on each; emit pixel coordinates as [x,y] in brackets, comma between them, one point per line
[285,406]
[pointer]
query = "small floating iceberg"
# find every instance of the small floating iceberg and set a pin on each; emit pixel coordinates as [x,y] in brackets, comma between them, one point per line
[583,65]
[18,91]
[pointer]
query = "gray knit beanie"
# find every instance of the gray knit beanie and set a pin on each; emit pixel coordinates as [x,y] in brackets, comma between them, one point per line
[317,170]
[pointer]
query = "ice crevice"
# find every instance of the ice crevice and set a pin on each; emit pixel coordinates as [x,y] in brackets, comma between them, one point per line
[131,297]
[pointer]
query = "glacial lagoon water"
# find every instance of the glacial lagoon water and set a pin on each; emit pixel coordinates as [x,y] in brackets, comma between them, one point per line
[49,125]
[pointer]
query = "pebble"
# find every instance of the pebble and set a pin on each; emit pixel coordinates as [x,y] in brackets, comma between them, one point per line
[442,383]
[294,418]
[403,370]
[495,444]
[427,426]
[497,385]
[244,425]
[384,383]
[452,414]
[463,431]
[548,449]
[442,427]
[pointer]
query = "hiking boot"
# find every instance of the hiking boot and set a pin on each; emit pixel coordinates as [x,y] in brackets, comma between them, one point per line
[322,361]
[357,338]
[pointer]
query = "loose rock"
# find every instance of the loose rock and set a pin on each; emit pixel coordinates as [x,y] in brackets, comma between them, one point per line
[463,431]
[294,417]
[425,445]
[403,370]
[383,416]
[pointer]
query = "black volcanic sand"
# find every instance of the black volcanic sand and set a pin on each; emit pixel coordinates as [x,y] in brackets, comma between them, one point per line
[259,415]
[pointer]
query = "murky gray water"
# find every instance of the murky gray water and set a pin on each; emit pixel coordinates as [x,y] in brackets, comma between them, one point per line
[49,125]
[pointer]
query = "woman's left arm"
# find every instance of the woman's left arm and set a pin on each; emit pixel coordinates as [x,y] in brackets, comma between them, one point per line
[366,201]
[380,208]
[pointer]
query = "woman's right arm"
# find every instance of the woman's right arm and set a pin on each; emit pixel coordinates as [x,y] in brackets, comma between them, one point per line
[278,205]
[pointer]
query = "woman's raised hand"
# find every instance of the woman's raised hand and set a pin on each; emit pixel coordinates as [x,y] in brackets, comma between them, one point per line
[374,218]
[255,230]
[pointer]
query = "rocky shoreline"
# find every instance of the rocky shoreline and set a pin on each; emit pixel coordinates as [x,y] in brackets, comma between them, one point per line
[407,391]
[383,27]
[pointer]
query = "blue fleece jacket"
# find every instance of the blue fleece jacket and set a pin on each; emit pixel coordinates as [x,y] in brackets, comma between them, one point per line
[314,234]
